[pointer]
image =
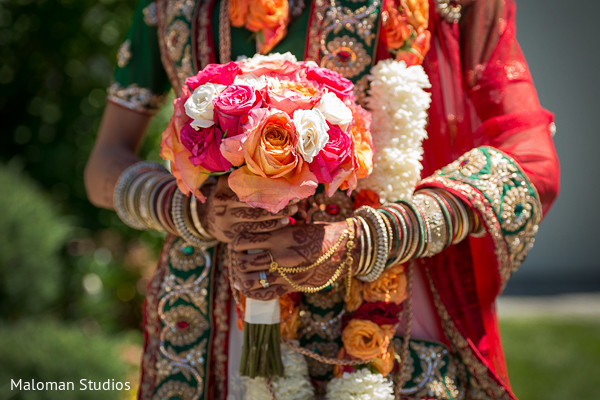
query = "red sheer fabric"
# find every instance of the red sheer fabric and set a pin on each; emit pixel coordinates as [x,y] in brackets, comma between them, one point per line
[482,94]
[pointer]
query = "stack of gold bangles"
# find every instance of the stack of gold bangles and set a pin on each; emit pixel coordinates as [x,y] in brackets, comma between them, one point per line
[393,234]
[146,197]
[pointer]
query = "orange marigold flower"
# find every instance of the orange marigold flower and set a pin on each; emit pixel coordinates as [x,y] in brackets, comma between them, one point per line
[385,364]
[354,301]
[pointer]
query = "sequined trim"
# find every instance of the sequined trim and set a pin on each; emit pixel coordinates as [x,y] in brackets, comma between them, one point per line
[149,12]
[135,97]
[481,384]
[507,202]
[124,54]
[450,10]
[185,329]
[431,372]
[174,20]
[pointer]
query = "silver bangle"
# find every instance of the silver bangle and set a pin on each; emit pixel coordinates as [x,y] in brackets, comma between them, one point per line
[120,194]
[178,210]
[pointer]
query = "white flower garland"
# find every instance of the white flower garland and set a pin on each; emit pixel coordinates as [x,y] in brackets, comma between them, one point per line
[360,385]
[398,104]
[293,385]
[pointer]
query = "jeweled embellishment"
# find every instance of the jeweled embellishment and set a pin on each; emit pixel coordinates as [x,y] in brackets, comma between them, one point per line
[450,10]
[124,54]
[149,12]
[185,325]
[346,56]
[516,208]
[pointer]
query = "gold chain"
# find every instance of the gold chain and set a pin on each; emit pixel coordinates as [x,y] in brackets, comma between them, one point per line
[274,267]
[348,261]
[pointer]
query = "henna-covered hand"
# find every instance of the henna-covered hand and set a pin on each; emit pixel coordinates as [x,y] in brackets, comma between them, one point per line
[295,245]
[224,216]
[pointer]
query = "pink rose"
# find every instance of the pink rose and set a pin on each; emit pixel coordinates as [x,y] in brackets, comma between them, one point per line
[204,145]
[290,96]
[223,74]
[334,165]
[233,105]
[332,81]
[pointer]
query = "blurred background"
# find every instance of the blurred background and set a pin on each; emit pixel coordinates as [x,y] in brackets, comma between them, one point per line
[73,277]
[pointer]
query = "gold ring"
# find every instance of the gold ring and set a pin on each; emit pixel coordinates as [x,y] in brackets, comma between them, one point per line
[263,279]
[273,266]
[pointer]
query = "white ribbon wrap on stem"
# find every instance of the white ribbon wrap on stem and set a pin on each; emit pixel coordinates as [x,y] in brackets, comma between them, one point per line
[262,312]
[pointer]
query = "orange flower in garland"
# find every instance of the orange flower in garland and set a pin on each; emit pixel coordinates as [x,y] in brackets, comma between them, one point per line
[366,340]
[269,18]
[405,24]
[390,287]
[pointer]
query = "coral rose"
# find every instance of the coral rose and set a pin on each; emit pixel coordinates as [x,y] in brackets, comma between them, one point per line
[390,287]
[332,81]
[273,174]
[365,340]
[290,96]
[363,141]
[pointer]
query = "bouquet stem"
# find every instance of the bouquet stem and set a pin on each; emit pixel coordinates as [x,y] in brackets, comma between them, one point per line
[261,353]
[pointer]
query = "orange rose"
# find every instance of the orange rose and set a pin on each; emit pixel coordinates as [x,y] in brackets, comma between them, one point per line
[354,301]
[385,364]
[417,12]
[238,10]
[365,340]
[395,25]
[266,14]
[418,49]
[290,321]
[390,287]
[273,174]
[366,197]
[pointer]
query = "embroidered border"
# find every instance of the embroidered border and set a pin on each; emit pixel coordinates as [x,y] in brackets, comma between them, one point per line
[135,98]
[508,204]
[482,384]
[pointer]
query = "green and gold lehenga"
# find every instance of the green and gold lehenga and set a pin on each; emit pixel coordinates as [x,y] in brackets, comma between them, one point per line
[489,144]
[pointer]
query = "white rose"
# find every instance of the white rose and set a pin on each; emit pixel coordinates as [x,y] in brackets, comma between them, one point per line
[257,82]
[200,105]
[312,132]
[335,111]
[259,58]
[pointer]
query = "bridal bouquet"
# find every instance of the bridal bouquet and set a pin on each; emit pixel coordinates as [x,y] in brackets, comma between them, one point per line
[279,127]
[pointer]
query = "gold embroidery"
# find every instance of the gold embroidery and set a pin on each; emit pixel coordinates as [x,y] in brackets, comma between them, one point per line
[177,35]
[430,382]
[175,390]
[507,202]
[325,326]
[149,12]
[184,325]
[124,54]
[135,97]
[345,54]
[449,10]
[481,385]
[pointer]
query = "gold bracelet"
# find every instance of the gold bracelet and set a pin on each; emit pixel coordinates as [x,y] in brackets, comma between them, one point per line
[196,219]
[324,257]
[348,261]
[366,231]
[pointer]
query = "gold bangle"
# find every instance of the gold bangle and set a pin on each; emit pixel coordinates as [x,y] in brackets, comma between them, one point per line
[366,230]
[196,220]
[433,215]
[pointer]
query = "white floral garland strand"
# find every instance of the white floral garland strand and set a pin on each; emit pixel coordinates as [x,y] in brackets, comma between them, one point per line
[293,385]
[398,104]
